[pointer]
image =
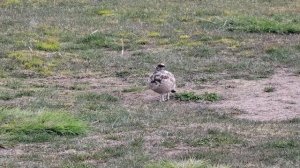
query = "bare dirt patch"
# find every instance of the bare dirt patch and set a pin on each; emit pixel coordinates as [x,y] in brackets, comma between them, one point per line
[251,97]
[248,98]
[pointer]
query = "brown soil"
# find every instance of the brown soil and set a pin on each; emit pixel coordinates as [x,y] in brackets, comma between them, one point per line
[249,98]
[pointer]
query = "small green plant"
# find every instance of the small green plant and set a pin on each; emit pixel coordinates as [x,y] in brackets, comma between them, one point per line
[191,96]
[269,89]
[187,96]
[210,97]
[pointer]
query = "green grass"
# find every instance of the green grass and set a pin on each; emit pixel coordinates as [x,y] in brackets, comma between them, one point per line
[50,44]
[133,89]
[26,126]
[191,96]
[281,144]
[101,40]
[263,24]
[214,139]
[6,95]
[98,97]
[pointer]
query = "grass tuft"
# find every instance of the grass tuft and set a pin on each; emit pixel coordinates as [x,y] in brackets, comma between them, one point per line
[280,144]
[191,96]
[32,61]
[50,44]
[98,97]
[153,34]
[263,25]
[187,96]
[133,89]
[6,95]
[214,138]
[105,12]
[28,126]
[110,152]
[101,40]
[269,89]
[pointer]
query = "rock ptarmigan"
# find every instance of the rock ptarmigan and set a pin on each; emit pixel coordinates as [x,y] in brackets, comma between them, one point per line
[162,82]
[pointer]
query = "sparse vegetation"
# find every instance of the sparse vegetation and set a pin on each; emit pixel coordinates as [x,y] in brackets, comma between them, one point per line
[73,76]
[269,89]
[214,139]
[263,24]
[191,96]
[191,163]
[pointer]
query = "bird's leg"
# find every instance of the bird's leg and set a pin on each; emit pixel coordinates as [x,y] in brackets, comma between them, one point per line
[162,98]
[168,96]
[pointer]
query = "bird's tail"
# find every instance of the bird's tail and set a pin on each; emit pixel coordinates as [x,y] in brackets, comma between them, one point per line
[173,91]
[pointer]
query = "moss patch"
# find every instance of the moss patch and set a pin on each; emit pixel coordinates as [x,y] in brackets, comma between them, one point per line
[49,44]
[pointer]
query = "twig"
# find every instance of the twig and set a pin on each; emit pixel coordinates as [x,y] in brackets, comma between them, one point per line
[94,32]
[122,43]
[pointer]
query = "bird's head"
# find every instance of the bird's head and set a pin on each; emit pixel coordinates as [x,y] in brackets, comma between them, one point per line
[160,67]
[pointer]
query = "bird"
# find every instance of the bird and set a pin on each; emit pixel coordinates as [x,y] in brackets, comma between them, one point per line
[162,82]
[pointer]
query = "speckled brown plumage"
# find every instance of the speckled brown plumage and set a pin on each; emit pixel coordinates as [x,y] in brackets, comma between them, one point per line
[162,82]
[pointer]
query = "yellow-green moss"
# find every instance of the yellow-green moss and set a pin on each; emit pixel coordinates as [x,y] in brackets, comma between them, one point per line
[32,61]
[2,74]
[7,3]
[105,12]
[184,36]
[153,34]
[50,44]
